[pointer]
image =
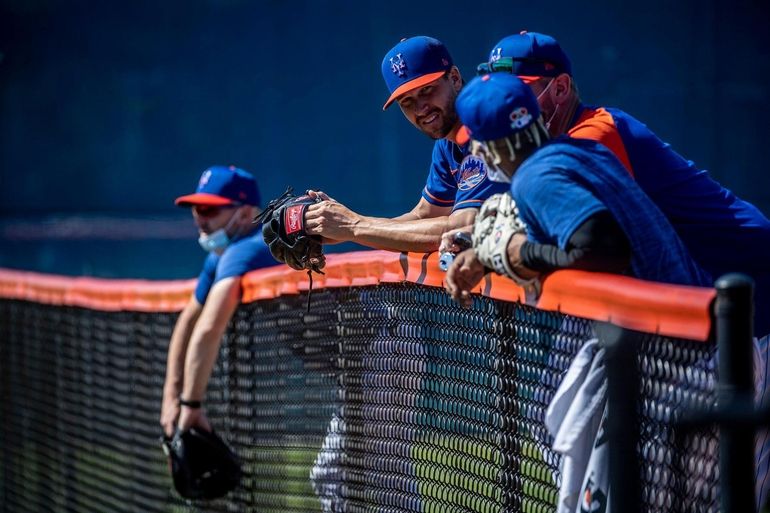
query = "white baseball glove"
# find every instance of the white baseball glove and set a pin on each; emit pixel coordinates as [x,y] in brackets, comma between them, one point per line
[495,224]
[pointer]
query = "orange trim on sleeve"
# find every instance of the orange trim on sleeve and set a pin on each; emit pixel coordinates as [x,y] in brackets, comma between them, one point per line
[448,202]
[478,202]
[598,125]
[671,310]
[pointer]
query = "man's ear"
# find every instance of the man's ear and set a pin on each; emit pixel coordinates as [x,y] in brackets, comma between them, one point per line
[455,78]
[562,88]
[245,213]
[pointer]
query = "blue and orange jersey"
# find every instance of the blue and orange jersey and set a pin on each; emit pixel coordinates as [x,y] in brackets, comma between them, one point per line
[457,179]
[722,232]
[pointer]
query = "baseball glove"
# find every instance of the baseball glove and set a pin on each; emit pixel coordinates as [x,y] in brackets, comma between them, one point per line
[202,465]
[285,235]
[498,221]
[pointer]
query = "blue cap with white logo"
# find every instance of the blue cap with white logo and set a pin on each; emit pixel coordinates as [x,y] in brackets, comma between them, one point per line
[495,106]
[412,63]
[530,55]
[221,186]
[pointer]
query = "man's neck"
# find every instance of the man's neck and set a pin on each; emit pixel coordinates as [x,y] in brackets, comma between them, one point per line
[452,135]
[571,108]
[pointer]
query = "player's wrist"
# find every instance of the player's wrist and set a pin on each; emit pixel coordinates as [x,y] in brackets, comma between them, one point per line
[359,227]
[190,403]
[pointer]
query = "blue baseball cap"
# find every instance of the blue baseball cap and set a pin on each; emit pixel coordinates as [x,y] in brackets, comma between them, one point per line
[412,63]
[221,186]
[495,106]
[530,55]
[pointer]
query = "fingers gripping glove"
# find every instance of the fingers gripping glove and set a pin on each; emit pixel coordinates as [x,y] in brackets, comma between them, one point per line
[285,235]
[497,222]
[202,465]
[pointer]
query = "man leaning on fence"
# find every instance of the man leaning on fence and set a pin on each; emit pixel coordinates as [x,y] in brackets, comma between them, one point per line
[574,204]
[223,206]
[571,205]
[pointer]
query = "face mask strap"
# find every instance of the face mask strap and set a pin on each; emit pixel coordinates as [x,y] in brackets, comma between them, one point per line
[230,223]
[555,109]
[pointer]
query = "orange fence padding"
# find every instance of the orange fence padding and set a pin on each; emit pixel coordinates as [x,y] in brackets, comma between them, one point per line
[96,293]
[670,310]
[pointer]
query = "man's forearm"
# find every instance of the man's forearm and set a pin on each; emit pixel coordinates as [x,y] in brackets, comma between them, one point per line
[202,355]
[598,244]
[409,232]
[206,338]
[416,235]
[177,348]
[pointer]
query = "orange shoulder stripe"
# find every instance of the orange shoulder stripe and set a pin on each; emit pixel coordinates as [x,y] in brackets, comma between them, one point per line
[598,125]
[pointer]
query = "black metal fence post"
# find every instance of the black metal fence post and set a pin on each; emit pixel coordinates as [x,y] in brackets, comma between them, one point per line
[622,348]
[734,313]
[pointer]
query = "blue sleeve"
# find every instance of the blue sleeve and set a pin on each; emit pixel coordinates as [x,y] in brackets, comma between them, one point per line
[441,187]
[206,278]
[552,204]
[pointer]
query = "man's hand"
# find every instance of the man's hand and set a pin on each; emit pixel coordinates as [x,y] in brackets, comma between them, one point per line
[463,275]
[193,417]
[169,412]
[331,220]
[498,235]
[448,244]
[320,195]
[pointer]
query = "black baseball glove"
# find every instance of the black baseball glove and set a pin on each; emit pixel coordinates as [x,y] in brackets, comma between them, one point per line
[285,235]
[202,465]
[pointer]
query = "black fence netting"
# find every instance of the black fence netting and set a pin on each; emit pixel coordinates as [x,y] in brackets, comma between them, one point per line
[386,398]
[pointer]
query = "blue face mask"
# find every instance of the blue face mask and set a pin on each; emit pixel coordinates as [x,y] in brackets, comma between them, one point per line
[218,240]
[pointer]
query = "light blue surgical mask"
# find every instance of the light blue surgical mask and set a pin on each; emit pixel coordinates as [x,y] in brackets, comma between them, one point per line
[218,240]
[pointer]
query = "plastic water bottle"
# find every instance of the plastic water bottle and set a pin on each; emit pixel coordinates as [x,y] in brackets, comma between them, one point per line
[463,241]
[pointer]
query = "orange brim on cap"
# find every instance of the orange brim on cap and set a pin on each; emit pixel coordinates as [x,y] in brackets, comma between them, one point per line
[202,198]
[412,84]
[527,79]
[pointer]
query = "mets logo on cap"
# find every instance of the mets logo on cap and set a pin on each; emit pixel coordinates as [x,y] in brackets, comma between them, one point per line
[471,173]
[205,177]
[397,65]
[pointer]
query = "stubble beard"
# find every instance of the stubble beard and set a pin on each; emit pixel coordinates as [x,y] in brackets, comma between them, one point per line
[448,121]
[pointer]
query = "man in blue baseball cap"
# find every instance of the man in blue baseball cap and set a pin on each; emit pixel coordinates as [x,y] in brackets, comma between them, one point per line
[571,202]
[699,208]
[423,80]
[223,207]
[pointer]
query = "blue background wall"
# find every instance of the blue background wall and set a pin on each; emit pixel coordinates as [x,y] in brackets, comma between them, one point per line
[109,110]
